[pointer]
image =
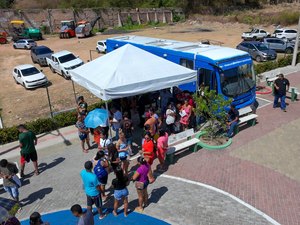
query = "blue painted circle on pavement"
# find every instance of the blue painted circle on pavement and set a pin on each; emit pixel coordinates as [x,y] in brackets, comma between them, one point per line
[65,217]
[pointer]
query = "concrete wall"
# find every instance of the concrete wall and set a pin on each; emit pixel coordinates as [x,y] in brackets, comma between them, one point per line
[110,17]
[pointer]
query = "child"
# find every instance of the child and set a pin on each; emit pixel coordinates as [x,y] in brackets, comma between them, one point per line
[120,191]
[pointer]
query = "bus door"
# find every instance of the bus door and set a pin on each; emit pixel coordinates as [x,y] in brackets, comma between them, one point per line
[207,78]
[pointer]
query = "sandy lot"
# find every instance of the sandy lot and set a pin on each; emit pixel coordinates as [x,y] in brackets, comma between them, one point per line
[20,105]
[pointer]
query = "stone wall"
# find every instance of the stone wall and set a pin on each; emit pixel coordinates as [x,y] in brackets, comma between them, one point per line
[109,17]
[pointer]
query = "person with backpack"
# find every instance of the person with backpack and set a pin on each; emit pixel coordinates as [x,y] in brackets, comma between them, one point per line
[100,169]
[91,186]
[11,182]
[120,184]
[127,128]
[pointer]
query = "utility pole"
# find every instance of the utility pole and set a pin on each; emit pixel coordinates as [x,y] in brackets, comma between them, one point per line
[296,45]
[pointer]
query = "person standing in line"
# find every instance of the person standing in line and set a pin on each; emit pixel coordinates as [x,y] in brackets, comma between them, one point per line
[116,121]
[170,119]
[141,178]
[36,219]
[81,106]
[28,141]
[281,86]
[91,188]
[83,133]
[104,142]
[7,172]
[122,148]
[127,128]
[162,147]
[185,113]
[120,184]
[100,164]
[86,217]
[113,156]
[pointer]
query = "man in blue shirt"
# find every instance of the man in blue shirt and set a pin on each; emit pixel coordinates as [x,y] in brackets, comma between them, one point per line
[92,188]
[233,119]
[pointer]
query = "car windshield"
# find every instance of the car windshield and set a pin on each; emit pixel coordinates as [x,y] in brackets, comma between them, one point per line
[237,81]
[30,41]
[30,71]
[66,58]
[79,29]
[41,51]
[261,47]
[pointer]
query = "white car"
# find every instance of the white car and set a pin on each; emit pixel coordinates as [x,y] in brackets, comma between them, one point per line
[29,76]
[255,34]
[24,43]
[62,62]
[287,34]
[101,46]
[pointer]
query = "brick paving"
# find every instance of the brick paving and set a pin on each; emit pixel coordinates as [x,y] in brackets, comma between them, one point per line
[237,170]
[273,192]
[59,186]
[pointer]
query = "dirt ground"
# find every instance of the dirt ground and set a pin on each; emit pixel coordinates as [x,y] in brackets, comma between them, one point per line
[20,105]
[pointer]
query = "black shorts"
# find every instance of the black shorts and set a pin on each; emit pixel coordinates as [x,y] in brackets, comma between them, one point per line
[27,157]
[97,200]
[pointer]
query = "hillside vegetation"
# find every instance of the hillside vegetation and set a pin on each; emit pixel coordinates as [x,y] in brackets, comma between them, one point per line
[250,12]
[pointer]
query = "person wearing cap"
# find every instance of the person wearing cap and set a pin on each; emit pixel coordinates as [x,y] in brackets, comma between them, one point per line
[36,219]
[281,86]
[92,189]
[233,118]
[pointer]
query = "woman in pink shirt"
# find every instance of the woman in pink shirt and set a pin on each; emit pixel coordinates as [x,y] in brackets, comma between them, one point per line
[162,148]
[185,113]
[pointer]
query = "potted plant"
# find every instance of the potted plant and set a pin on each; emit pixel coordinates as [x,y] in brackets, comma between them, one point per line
[212,106]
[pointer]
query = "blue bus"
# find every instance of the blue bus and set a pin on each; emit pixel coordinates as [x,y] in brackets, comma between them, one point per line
[228,71]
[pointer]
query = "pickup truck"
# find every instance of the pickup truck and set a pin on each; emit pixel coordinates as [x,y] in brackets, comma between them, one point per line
[62,62]
[255,34]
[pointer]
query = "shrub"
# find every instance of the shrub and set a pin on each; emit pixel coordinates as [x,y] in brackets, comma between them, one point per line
[44,125]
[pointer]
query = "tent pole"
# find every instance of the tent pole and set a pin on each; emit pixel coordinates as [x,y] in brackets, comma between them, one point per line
[74,91]
[109,127]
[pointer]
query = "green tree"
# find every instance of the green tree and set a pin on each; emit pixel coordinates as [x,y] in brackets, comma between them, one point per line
[212,107]
[6,3]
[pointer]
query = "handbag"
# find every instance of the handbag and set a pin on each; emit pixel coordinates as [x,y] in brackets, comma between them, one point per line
[139,185]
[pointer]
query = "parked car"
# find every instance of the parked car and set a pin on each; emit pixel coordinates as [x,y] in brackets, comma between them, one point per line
[24,43]
[255,34]
[285,33]
[101,46]
[258,50]
[39,54]
[62,62]
[279,45]
[29,76]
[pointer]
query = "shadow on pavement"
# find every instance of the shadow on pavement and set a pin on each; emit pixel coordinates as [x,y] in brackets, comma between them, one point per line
[45,166]
[36,195]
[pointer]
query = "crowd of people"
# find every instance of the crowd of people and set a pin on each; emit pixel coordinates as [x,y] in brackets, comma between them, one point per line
[161,114]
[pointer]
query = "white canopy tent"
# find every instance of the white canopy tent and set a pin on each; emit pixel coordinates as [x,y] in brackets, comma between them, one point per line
[130,71]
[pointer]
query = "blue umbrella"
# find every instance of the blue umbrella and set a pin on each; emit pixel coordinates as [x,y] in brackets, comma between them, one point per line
[95,118]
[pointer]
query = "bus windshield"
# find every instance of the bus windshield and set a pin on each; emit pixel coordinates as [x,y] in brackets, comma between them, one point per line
[237,81]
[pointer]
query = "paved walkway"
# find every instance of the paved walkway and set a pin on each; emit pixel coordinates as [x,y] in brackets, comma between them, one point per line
[176,202]
[261,168]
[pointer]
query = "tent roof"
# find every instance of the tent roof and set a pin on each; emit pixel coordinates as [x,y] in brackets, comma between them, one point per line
[129,71]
